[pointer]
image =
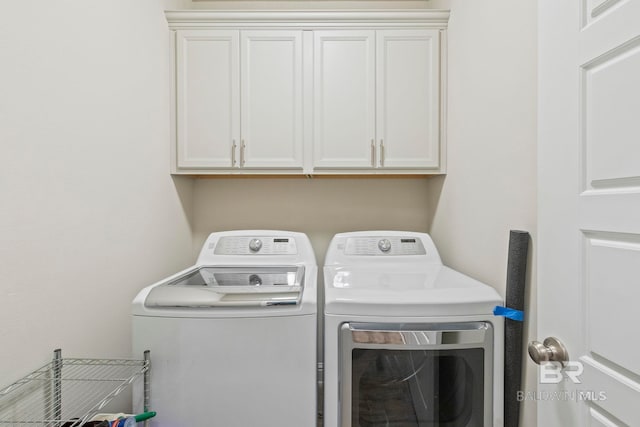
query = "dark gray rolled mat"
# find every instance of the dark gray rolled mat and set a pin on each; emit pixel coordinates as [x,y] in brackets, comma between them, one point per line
[515,295]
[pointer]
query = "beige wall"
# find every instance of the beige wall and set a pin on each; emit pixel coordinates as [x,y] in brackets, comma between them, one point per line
[88,212]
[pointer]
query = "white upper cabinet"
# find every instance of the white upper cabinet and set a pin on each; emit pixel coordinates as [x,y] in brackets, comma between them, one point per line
[239,99]
[207,98]
[271,104]
[308,92]
[344,99]
[377,99]
[408,98]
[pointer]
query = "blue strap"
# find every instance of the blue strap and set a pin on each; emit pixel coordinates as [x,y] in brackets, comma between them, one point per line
[509,313]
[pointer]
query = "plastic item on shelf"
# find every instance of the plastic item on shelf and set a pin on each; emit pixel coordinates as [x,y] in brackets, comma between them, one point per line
[116,420]
[124,422]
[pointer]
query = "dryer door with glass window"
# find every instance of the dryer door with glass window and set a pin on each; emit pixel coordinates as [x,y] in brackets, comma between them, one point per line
[416,375]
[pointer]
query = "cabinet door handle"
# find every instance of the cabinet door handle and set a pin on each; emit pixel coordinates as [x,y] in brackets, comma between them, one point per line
[382,152]
[233,154]
[373,153]
[242,146]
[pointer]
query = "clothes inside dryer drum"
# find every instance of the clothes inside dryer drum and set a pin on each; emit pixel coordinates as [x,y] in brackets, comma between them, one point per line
[417,388]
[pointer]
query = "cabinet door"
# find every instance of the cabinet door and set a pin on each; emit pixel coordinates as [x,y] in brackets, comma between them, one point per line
[344,99]
[208,98]
[271,86]
[408,98]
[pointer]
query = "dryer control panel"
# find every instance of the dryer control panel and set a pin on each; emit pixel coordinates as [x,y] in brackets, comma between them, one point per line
[384,245]
[262,245]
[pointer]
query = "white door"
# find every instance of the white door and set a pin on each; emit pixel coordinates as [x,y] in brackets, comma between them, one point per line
[589,210]
[344,99]
[408,98]
[208,98]
[271,86]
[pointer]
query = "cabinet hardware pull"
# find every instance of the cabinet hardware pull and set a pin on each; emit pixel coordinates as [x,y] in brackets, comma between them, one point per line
[373,153]
[242,146]
[382,152]
[233,154]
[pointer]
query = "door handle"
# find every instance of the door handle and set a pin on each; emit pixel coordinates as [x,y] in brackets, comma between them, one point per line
[550,350]
[382,152]
[242,146]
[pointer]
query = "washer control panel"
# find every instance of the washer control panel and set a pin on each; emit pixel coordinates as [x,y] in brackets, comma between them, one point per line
[262,245]
[388,245]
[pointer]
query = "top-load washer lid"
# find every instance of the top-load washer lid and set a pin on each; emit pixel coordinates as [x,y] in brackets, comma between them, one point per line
[234,286]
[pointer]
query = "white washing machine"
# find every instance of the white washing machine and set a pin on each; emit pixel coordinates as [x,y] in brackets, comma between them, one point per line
[233,338]
[408,341]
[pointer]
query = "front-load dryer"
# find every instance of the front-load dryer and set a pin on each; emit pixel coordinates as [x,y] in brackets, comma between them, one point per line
[408,341]
[233,338]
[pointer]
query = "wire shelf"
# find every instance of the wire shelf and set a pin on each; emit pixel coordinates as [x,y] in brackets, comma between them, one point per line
[68,392]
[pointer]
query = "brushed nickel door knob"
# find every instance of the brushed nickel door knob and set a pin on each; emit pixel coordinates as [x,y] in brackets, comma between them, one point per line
[550,350]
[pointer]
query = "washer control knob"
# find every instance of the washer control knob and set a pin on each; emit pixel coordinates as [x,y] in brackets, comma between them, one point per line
[255,245]
[384,245]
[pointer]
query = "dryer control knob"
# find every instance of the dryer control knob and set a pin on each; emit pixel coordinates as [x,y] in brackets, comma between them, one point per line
[255,245]
[384,245]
